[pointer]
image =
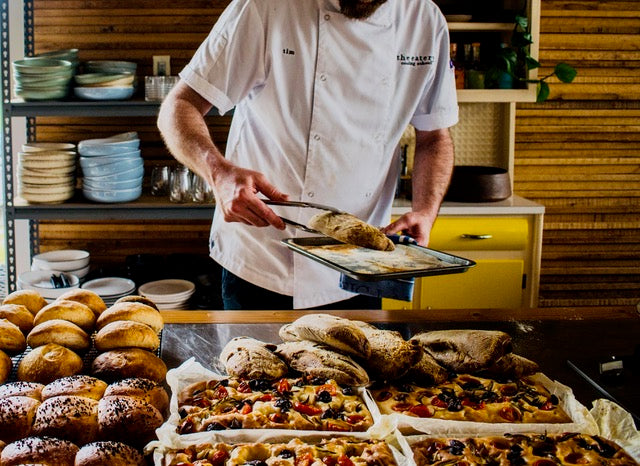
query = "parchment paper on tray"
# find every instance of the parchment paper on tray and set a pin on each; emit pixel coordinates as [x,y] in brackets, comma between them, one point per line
[583,421]
[617,425]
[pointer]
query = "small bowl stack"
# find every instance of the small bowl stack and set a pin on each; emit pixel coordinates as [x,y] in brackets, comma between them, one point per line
[46,172]
[41,281]
[169,293]
[71,261]
[38,78]
[110,289]
[112,167]
[106,80]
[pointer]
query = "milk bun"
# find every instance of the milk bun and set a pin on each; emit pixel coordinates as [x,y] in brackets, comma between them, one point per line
[126,334]
[16,417]
[77,385]
[109,453]
[134,298]
[19,315]
[39,450]
[12,340]
[87,297]
[30,389]
[68,417]
[78,313]
[145,389]
[128,362]
[30,299]
[47,363]
[136,312]
[61,332]
[128,419]
[5,367]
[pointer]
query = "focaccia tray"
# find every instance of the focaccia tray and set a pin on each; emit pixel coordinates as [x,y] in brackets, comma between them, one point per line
[406,261]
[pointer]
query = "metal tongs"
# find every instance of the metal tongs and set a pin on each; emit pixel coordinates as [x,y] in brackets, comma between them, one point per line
[308,205]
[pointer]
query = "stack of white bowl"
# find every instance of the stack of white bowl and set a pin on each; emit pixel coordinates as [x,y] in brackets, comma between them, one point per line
[106,80]
[40,281]
[168,293]
[42,78]
[110,289]
[46,172]
[112,167]
[70,261]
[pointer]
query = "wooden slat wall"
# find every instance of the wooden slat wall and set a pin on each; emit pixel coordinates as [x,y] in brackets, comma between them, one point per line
[579,154]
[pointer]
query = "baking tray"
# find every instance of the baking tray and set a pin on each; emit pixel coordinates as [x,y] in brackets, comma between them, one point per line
[369,265]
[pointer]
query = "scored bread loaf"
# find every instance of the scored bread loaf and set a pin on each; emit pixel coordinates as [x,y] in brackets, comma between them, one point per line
[128,419]
[46,363]
[145,389]
[126,334]
[351,230]
[133,311]
[71,311]
[134,298]
[19,315]
[68,417]
[40,451]
[248,358]
[31,389]
[77,385]
[109,453]
[427,371]
[6,365]
[30,299]
[12,340]
[17,414]
[87,297]
[513,366]
[128,362]
[61,332]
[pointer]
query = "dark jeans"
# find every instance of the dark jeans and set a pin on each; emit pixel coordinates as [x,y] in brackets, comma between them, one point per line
[240,294]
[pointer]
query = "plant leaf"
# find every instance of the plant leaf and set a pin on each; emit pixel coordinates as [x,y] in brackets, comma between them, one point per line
[542,91]
[565,73]
[522,21]
[531,62]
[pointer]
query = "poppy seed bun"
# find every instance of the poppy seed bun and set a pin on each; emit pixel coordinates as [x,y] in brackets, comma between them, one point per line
[128,362]
[16,417]
[30,299]
[61,332]
[87,297]
[134,298]
[47,363]
[78,385]
[39,450]
[19,315]
[31,389]
[145,389]
[68,417]
[109,453]
[128,419]
[136,312]
[6,364]
[72,311]
[12,340]
[126,334]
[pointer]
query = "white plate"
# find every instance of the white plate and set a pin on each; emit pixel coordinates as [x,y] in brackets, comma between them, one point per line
[110,286]
[40,281]
[62,259]
[168,290]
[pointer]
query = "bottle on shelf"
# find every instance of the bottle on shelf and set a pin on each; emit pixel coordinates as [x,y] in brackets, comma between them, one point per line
[474,74]
[458,65]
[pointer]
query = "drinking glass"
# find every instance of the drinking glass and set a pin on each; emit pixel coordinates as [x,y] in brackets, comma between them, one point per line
[180,185]
[160,181]
[200,189]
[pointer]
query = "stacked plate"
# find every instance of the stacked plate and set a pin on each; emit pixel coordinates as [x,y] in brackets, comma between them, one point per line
[112,167]
[73,261]
[41,78]
[46,172]
[106,80]
[168,293]
[41,281]
[110,289]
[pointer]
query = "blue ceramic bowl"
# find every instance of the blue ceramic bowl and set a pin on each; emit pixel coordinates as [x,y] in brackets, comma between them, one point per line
[90,183]
[104,93]
[113,195]
[96,161]
[123,142]
[113,168]
[122,176]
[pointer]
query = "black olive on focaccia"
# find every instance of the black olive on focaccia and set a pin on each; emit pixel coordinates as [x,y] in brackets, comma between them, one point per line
[351,230]
[335,332]
[513,366]
[315,360]
[248,358]
[465,350]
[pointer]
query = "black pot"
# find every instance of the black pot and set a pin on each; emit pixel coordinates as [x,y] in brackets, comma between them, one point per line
[474,183]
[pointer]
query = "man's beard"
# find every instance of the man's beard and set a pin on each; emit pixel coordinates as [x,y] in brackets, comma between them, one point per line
[357,9]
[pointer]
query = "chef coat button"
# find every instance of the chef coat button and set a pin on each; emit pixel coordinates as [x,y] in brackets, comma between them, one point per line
[323,77]
[316,137]
[311,194]
[367,195]
[327,17]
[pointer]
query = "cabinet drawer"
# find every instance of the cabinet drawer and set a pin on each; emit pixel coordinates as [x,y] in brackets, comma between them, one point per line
[479,233]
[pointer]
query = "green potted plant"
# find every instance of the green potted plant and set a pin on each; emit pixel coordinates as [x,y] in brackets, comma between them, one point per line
[513,62]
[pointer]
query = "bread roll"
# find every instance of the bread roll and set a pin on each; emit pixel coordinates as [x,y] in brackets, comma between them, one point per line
[72,311]
[126,334]
[46,363]
[12,340]
[133,298]
[68,417]
[31,389]
[350,229]
[19,315]
[136,312]
[30,299]
[39,450]
[16,417]
[89,298]
[5,367]
[109,453]
[128,362]
[128,419]
[77,385]
[145,389]
[249,358]
[61,332]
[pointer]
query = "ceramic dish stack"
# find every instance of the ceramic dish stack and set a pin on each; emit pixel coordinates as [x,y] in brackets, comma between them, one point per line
[110,289]
[42,282]
[106,80]
[46,172]
[41,78]
[70,261]
[112,167]
[168,293]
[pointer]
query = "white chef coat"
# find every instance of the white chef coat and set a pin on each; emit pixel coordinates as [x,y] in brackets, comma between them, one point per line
[320,101]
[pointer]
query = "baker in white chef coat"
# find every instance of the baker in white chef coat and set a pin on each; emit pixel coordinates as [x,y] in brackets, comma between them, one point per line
[322,91]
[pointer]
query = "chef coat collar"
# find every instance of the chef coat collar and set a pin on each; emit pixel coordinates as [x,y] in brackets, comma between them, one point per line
[380,17]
